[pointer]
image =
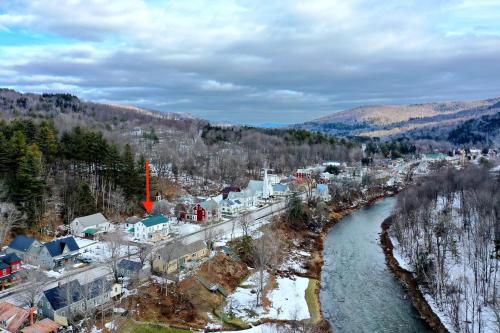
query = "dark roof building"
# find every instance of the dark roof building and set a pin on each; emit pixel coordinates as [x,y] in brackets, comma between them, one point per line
[226,190]
[10,258]
[72,292]
[57,247]
[22,243]
[129,265]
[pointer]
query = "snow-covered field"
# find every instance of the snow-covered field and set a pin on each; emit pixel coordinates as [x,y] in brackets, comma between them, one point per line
[287,300]
[188,228]
[100,251]
[264,328]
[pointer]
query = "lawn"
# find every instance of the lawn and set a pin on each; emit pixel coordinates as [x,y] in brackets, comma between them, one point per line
[132,327]
[313,301]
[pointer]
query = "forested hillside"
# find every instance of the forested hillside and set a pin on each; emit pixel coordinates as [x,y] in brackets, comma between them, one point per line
[49,176]
[482,131]
[61,157]
[393,120]
[448,229]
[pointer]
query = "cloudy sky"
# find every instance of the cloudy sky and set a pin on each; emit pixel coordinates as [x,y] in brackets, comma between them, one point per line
[254,62]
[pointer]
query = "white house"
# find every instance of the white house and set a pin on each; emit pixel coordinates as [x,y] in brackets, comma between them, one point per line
[152,228]
[89,226]
[246,197]
[231,207]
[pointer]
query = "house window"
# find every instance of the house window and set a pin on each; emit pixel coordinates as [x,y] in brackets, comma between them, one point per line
[4,271]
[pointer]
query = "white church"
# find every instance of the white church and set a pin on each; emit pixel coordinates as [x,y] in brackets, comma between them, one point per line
[261,189]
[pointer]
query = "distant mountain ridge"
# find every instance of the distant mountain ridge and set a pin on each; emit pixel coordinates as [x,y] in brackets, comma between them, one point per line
[67,109]
[388,120]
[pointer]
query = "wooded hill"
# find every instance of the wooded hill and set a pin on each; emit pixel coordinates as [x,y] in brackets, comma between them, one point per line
[392,120]
[62,157]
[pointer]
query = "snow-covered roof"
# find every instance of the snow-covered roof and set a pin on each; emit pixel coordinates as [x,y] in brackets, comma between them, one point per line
[256,185]
[91,220]
[209,204]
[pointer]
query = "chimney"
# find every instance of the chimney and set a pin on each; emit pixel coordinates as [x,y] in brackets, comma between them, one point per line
[32,312]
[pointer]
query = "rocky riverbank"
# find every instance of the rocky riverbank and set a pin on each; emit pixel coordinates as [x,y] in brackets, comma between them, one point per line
[408,281]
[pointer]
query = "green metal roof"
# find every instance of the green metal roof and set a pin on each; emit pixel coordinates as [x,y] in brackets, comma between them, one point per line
[154,220]
[90,231]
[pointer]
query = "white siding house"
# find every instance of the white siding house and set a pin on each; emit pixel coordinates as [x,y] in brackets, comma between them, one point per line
[89,225]
[152,228]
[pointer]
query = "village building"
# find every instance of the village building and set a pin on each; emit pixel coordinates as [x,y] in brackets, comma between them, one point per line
[262,189]
[152,228]
[326,177]
[170,262]
[208,210]
[130,269]
[321,192]
[13,318]
[10,264]
[71,300]
[62,251]
[246,197]
[226,190]
[231,207]
[24,246]
[281,190]
[48,255]
[89,226]
[43,326]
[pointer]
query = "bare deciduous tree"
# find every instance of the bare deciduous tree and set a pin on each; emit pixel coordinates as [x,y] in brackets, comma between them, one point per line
[37,280]
[113,244]
[10,218]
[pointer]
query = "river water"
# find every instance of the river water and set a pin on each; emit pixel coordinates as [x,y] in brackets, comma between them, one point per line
[359,293]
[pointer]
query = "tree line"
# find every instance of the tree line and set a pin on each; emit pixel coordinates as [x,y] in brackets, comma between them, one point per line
[72,173]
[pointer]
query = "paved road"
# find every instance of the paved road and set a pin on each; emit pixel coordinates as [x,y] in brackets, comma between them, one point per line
[17,294]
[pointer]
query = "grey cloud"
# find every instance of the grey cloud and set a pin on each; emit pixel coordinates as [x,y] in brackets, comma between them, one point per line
[293,67]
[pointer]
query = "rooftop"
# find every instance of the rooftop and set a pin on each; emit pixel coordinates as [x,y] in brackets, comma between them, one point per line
[21,243]
[43,326]
[57,247]
[72,292]
[130,265]
[90,220]
[13,316]
[154,220]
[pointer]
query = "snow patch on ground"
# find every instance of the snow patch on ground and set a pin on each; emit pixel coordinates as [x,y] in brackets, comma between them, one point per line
[188,228]
[264,328]
[84,242]
[399,258]
[53,274]
[100,251]
[287,300]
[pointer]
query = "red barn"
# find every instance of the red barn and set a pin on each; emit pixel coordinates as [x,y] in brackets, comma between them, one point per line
[198,213]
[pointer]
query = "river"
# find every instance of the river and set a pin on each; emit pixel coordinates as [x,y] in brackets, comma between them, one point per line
[359,293]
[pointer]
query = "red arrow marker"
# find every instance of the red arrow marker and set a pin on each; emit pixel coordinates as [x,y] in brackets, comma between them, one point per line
[148,204]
